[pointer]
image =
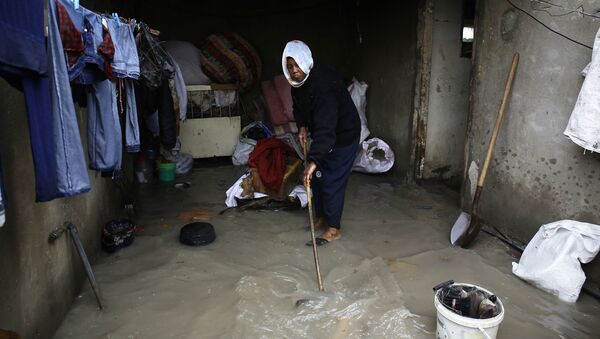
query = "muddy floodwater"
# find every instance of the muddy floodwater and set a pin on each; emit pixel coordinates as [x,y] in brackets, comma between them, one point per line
[378,279]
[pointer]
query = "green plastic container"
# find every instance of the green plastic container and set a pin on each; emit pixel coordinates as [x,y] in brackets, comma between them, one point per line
[166,171]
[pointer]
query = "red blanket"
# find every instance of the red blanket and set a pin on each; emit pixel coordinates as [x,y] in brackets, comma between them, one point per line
[268,157]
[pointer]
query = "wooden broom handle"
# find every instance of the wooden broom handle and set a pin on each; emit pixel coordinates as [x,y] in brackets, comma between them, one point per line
[507,88]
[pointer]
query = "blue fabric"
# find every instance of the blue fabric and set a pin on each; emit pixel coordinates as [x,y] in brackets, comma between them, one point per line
[330,181]
[22,43]
[39,113]
[89,68]
[23,61]
[104,130]
[126,63]
[132,128]
[72,175]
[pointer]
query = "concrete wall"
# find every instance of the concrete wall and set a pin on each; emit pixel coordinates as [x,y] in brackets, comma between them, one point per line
[384,55]
[537,175]
[448,94]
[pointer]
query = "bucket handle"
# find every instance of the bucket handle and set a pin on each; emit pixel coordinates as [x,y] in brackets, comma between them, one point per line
[484,332]
[442,285]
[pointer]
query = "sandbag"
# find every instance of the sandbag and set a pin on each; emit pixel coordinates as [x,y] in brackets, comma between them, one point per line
[358,93]
[187,56]
[552,259]
[374,156]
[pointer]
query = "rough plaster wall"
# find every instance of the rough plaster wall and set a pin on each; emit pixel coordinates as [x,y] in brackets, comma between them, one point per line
[385,58]
[448,93]
[38,280]
[537,175]
[267,24]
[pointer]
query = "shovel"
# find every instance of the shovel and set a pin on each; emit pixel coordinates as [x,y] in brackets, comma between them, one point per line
[467,226]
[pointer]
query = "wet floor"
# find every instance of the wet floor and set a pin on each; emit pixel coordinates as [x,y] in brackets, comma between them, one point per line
[378,278]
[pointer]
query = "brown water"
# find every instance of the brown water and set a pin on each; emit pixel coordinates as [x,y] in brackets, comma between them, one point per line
[378,278]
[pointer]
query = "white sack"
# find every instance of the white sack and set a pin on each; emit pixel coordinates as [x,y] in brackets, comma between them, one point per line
[358,92]
[369,160]
[236,191]
[552,259]
[584,125]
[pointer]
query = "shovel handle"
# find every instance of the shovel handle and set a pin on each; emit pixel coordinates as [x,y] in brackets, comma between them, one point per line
[507,88]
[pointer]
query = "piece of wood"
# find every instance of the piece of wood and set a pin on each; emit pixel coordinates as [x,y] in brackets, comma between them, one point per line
[507,89]
[421,97]
[312,223]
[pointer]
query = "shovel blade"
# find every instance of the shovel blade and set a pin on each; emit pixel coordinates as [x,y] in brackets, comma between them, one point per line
[460,228]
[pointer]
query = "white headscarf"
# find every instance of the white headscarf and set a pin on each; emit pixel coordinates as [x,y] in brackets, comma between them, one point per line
[301,53]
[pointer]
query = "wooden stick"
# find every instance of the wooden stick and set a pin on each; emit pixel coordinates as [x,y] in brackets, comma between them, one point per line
[312,223]
[507,88]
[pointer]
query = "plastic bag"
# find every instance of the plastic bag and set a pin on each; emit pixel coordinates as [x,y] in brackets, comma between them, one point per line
[552,259]
[374,156]
[242,151]
[358,92]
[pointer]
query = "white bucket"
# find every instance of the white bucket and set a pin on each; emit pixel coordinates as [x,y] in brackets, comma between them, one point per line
[453,326]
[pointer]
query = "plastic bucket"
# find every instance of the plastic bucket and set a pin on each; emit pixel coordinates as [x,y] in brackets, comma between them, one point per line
[453,326]
[166,171]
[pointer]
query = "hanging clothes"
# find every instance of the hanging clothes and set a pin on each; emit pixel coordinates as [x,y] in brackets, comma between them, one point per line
[72,175]
[104,129]
[126,65]
[584,125]
[24,63]
[132,129]
[151,100]
[155,63]
[84,43]
[181,90]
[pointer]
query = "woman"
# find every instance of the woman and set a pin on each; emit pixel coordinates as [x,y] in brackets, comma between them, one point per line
[323,108]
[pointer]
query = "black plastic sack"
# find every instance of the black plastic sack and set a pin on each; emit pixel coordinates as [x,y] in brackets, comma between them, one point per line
[117,234]
[197,234]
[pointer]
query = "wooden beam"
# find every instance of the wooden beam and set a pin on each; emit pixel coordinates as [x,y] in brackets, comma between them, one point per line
[422,83]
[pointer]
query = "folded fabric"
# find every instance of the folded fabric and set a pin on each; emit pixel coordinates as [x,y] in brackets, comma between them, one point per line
[269,158]
[236,191]
[274,104]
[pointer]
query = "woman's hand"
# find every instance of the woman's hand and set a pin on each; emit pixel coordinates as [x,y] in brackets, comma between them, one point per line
[308,172]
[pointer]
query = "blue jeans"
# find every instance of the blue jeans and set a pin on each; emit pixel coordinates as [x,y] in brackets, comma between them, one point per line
[104,129]
[25,65]
[89,68]
[126,63]
[72,175]
[132,128]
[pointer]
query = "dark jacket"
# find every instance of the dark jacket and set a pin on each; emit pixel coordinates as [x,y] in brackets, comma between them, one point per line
[324,106]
